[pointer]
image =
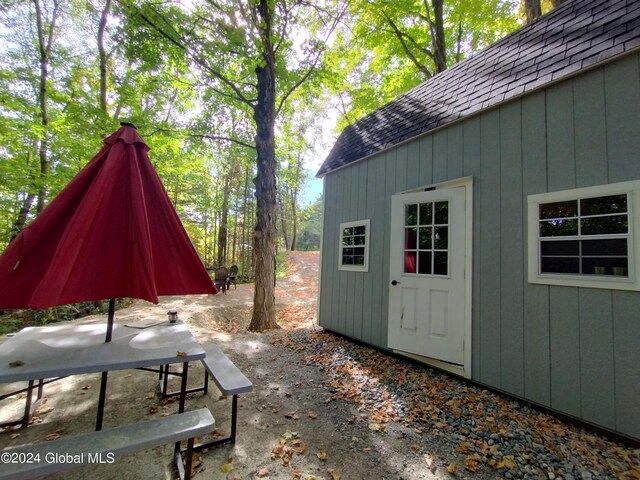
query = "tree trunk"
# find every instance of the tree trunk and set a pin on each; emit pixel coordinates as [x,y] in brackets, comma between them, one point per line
[103,55]
[22,216]
[44,45]
[265,233]
[532,9]
[294,204]
[222,231]
[438,40]
[244,221]
[557,3]
[234,235]
[283,221]
[294,219]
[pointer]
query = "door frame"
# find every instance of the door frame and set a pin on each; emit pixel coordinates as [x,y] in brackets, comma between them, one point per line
[465,369]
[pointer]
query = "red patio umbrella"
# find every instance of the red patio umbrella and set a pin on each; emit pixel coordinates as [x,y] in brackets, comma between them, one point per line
[111,232]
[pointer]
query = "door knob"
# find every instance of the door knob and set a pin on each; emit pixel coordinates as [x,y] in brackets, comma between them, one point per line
[395,282]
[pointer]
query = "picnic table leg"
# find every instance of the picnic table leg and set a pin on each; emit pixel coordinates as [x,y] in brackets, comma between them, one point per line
[101,400]
[183,397]
[183,386]
[184,467]
[234,418]
[27,407]
[165,381]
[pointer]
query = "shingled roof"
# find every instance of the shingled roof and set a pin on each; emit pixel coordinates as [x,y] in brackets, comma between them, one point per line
[575,36]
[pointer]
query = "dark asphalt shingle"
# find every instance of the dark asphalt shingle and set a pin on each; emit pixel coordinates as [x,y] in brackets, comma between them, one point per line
[577,35]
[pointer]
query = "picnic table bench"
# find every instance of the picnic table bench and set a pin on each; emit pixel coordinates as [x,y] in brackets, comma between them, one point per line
[229,380]
[106,445]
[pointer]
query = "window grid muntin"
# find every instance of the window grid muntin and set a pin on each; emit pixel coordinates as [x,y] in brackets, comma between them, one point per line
[580,237]
[354,246]
[414,220]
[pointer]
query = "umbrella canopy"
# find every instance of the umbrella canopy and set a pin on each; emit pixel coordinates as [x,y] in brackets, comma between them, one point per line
[112,232]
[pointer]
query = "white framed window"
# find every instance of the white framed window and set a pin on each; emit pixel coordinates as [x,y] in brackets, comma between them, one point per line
[354,246]
[586,237]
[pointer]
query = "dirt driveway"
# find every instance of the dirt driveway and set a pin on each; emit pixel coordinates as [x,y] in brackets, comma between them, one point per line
[325,408]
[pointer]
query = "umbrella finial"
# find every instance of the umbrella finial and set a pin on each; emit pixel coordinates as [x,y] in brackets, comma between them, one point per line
[127,124]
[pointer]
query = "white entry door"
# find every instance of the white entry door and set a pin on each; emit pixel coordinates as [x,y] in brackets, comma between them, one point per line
[427,267]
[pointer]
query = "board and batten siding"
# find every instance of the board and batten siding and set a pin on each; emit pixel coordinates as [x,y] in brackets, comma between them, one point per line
[574,350]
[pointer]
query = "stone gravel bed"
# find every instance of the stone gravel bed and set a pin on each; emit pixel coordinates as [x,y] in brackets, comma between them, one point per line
[511,437]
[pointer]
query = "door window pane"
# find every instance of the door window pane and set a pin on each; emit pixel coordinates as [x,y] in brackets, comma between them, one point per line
[442,213]
[426,213]
[426,238]
[442,238]
[411,214]
[409,262]
[440,263]
[424,264]
[410,238]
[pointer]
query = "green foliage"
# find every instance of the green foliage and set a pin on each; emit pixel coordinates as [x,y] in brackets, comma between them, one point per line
[19,319]
[186,76]
[281,264]
[386,47]
[311,227]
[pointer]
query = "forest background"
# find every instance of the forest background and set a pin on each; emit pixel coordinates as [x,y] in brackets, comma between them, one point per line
[238,100]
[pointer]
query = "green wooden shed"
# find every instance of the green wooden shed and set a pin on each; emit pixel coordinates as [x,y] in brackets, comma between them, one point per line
[487,222]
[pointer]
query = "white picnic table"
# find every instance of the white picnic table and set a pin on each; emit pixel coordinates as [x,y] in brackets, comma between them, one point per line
[38,353]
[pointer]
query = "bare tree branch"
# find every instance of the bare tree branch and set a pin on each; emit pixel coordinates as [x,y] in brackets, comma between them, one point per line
[223,138]
[401,37]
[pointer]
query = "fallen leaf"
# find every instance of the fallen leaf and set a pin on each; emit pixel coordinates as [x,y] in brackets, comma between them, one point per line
[287,394]
[322,456]
[452,468]
[334,475]
[226,467]
[377,427]
[17,363]
[431,462]
[150,395]
[264,472]
[509,461]
[415,448]
[14,436]
[471,463]
[312,414]
[274,410]
[292,415]
[196,461]
[181,354]
[153,408]
[53,436]
[86,387]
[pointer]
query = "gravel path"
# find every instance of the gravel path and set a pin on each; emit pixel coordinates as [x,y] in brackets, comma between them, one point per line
[326,408]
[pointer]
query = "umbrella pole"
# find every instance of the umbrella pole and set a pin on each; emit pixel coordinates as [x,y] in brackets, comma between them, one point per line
[112,311]
[103,382]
